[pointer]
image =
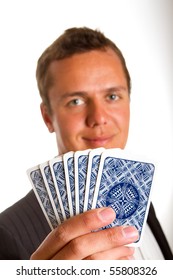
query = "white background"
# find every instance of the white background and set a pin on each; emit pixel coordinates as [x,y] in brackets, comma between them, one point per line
[143,30]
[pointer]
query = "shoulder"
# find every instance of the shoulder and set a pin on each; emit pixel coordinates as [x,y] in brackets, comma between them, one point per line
[159,234]
[23,225]
[25,209]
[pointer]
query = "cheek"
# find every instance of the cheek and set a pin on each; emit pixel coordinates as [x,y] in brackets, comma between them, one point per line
[122,117]
[126,117]
[67,126]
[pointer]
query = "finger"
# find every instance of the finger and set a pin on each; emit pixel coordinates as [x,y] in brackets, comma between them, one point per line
[130,258]
[118,253]
[73,228]
[97,242]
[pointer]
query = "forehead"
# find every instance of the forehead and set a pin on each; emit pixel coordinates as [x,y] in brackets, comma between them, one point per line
[89,67]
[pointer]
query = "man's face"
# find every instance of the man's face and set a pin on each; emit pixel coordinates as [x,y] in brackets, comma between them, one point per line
[89,102]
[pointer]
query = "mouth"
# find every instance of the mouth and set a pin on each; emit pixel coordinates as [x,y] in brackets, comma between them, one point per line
[97,141]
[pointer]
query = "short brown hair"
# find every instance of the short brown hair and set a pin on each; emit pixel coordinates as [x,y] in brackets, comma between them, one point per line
[73,41]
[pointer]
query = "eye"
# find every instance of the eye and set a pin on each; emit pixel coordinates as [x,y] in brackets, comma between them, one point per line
[76,102]
[113,97]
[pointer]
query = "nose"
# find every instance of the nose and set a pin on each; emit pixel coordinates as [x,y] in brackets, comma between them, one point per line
[96,115]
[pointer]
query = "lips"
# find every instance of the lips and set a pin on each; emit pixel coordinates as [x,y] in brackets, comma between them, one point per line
[98,141]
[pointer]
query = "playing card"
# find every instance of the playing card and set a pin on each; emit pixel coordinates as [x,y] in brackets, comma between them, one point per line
[58,174]
[53,194]
[124,184]
[80,164]
[68,159]
[40,191]
[92,171]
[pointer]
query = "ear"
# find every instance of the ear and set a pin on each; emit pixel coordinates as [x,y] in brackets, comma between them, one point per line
[46,117]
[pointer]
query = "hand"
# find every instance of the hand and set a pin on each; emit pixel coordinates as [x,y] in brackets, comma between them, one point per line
[79,238]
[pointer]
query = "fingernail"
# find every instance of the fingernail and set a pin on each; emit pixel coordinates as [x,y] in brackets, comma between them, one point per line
[130,232]
[107,214]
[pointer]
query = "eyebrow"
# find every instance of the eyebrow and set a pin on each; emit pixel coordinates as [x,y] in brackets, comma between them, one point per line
[71,94]
[85,93]
[116,89]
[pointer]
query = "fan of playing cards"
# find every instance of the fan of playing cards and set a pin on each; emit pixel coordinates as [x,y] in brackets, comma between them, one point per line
[75,182]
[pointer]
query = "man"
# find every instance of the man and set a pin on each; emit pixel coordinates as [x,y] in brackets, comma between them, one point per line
[85,89]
